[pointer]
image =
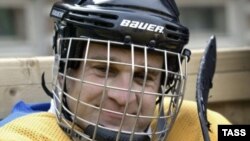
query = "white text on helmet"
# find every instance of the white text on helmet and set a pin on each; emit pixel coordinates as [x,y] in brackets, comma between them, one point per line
[142,25]
[57,13]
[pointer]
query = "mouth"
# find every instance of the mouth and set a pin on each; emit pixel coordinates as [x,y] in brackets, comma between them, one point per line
[115,120]
[112,115]
[111,119]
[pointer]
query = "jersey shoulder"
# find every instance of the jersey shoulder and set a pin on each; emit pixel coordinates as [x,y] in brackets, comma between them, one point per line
[187,125]
[36,126]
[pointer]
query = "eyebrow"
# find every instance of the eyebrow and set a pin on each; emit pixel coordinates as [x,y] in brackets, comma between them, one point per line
[151,71]
[105,58]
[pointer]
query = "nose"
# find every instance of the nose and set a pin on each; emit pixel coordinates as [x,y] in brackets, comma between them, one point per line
[121,90]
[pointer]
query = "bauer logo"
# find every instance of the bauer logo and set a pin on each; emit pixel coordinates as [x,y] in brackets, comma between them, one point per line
[235,132]
[142,25]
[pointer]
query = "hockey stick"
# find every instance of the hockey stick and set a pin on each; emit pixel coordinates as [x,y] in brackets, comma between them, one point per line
[204,84]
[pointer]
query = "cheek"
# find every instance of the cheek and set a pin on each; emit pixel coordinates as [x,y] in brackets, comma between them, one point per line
[85,92]
[148,105]
[88,95]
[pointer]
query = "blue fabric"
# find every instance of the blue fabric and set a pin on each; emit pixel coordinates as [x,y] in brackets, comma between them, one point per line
[21,109]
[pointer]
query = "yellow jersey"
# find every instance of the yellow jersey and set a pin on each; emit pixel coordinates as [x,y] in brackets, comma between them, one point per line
[43,126]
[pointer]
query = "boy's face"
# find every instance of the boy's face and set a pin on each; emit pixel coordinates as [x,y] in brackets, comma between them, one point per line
[123,91]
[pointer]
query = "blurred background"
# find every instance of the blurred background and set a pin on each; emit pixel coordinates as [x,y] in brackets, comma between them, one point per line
[26,32]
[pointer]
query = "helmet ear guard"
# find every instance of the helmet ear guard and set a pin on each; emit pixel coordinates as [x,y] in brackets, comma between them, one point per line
[69,48]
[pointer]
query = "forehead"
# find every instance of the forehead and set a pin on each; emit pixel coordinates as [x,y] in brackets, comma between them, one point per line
[125,54]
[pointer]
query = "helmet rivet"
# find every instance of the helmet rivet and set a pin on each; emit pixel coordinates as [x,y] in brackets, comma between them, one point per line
[187,53]
[127,39]
[152,44]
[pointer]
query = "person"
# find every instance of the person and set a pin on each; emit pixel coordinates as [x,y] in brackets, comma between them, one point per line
[119,74]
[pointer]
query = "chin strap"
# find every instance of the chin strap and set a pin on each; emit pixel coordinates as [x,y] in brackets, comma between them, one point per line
[46,90]
[108,135]
[102,134]
[162,123]
[50,94]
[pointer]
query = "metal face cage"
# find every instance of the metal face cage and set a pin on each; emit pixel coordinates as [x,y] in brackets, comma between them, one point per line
[147,91]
